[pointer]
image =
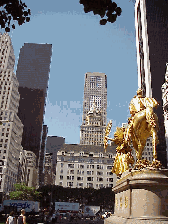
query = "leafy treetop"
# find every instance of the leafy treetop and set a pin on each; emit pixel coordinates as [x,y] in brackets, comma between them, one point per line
[23,192]
[16,10]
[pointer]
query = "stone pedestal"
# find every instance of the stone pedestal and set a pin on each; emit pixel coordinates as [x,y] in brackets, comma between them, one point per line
[141,197]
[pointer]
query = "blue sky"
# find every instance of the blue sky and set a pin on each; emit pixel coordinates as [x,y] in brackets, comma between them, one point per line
[81,45]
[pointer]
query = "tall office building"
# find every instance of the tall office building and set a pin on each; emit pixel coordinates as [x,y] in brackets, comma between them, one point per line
[151,22]
[94,109]
[10,132]
[33,74]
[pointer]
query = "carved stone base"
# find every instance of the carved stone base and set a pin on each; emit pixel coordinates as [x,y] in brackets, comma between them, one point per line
[119,220]
[141,196]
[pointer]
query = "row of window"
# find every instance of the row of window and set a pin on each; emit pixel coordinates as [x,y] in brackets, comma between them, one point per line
[71,165]
[99,179]
[89,172]
[147,153]
[70,184]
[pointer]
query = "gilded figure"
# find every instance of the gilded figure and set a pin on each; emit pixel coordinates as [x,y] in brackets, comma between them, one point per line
[142,124]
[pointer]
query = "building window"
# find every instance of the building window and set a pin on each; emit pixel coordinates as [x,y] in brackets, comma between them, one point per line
[69,184]
[89,185]
[61,164]
[61,177]
[99,166]
[79,178]
[110,179]
[109,167]
[71,171]
[70,165]
[89,178]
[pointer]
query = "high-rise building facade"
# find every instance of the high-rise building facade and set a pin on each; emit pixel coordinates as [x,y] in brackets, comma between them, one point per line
[33,74]
[94,109]
[10,131]
[151,22]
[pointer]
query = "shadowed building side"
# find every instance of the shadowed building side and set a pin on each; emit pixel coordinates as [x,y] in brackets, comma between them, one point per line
[33,74]
[151,21]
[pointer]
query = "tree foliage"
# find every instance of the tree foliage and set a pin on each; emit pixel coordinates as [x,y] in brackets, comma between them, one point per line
[16,10]
[23,192]
[89,196]
[13,10]
[102,8]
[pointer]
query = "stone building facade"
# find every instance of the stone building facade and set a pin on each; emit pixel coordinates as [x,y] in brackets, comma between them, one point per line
[11,131]
[95,96]
[22,169]
[84,166]
[92,132]
[49,176]
[32,171]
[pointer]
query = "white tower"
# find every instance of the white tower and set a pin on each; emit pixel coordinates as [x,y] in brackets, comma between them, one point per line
[94,109]
[10,132]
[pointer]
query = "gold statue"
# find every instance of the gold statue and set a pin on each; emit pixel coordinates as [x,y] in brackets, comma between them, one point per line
[142,124]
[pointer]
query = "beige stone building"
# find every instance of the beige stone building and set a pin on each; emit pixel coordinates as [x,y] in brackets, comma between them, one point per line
[22,169]
[148,150]
[85,166]
[10,131]
[92,133]
[49,176]
[32,171]
[94,109]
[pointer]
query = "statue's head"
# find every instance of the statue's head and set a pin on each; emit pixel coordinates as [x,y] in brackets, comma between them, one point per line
[139,92]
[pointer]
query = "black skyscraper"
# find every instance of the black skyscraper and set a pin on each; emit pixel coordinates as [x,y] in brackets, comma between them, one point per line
[152,55]
[33,74]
